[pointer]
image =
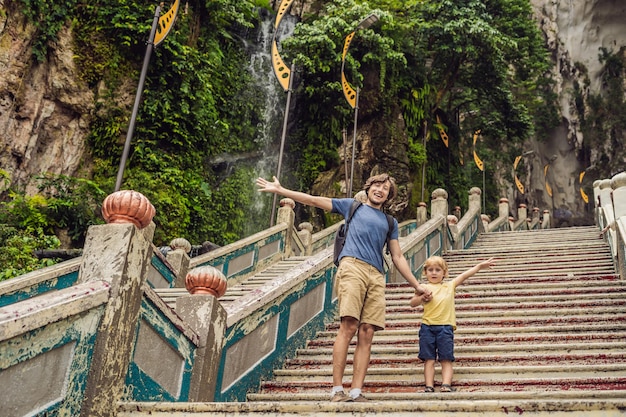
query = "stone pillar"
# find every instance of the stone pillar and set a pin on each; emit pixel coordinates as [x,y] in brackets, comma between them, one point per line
[474,199]
[439,203]
[503,207]
[545,223]
[618,184]
[453,223]
[287,216]
[118,253]
[596,193]
[306,237]
[486,220]
[202,311]
[605,193]
[535,212]
[422,213]
[511,223]
[179,259]
[522,212]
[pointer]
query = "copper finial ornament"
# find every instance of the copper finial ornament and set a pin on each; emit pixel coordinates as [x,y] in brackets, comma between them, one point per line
[128,206]
[206,280]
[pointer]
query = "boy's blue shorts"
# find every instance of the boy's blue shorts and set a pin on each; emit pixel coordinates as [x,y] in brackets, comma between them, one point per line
[436,342]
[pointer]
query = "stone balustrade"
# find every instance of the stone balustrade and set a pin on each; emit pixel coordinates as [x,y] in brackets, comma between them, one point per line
[143,350]
[610,213]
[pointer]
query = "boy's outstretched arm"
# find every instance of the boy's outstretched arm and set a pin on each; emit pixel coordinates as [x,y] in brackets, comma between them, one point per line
[488,264]
[274,187]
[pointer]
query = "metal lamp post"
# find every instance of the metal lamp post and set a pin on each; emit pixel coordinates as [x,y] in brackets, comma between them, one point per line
[352,95]
[545,176]
[283,74]
[161,26]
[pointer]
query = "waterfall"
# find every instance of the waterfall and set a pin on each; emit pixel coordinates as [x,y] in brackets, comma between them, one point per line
[270,129]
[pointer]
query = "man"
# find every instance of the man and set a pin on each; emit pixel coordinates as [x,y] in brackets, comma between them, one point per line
[360,280]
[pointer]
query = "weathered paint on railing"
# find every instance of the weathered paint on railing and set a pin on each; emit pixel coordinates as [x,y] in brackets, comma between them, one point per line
[163,356]
[268,325]
[610,199]
[32,284]
[325,237]
[47,345]
[162,274]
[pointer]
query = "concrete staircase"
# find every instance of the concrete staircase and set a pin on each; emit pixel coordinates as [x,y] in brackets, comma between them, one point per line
[543,333]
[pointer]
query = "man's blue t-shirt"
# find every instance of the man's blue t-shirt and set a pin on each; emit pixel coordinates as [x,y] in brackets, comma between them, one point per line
[367,232]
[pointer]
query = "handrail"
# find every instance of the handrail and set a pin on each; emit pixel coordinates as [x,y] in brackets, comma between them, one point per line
[243,258]
[55,277]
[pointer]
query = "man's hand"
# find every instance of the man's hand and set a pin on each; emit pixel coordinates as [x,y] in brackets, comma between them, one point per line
[427,295]
[266,186]
[420,298]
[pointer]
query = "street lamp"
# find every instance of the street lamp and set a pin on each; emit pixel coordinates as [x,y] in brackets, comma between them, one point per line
[352,96]
[161,26]
[480,165]
[518,158]
[545,177]
[283,74]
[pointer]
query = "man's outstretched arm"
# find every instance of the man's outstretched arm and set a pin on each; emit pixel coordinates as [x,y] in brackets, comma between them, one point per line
[274,187]
[404,269]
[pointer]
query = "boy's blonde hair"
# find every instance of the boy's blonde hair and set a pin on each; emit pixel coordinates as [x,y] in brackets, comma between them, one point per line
[436,261]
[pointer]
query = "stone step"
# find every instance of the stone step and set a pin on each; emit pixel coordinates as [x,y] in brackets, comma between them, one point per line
[469,379]
[512,289]
[399,303]
[520,339]
[530,403]
[554,266]
[542,334]
[529,357]
[463,375]
[552,235]
[600,349]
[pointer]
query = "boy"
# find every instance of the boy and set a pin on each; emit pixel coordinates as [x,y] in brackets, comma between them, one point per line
[436,335]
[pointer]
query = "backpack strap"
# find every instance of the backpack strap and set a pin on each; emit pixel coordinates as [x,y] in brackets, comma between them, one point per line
[390,223]
[355,205]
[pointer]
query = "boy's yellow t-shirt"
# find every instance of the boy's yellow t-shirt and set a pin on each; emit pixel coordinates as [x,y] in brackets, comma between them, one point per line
[440,309]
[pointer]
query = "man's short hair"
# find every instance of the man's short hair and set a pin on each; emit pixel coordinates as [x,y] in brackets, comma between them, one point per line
[379,179]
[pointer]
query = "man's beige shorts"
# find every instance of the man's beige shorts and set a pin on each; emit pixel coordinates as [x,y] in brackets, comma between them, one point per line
[361,292]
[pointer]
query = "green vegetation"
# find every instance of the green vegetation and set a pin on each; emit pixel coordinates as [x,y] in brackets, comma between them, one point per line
[469,64]
[451,65]
[30,223]
[604,124]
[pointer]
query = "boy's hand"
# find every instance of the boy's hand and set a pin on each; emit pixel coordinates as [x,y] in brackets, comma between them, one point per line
[423,293]
[488,264]
[420,298]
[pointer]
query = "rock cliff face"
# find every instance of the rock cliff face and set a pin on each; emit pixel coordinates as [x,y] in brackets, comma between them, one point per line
[45,110]
[574,31]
